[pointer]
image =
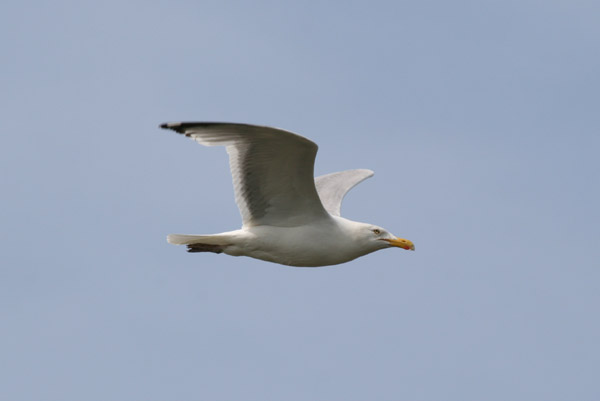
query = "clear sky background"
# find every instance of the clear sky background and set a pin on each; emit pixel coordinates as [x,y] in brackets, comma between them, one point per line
[480,119]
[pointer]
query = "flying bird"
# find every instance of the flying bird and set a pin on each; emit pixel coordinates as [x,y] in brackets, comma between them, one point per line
[288,216]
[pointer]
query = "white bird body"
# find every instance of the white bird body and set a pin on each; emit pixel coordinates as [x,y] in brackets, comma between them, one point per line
[288,217]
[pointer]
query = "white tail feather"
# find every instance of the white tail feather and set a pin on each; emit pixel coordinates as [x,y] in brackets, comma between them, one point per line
[188,239]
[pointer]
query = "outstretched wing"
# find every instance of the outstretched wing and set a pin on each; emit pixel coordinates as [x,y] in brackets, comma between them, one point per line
[333,187]
[272,171]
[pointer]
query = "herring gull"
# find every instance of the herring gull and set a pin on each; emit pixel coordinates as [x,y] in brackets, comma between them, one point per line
[288,217]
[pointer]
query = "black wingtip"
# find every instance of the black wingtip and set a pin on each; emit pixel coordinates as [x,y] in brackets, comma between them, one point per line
[170,125]
[177,127]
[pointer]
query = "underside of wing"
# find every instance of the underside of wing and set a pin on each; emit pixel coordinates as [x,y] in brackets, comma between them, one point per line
[272,171]
[333,187]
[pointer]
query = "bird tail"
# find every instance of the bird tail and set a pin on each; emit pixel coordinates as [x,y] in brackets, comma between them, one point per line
[200,243]
[187,239]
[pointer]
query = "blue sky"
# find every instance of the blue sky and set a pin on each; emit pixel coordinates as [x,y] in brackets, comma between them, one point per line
[479,118]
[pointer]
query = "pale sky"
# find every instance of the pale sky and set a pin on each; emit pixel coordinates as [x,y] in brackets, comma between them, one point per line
[479,118]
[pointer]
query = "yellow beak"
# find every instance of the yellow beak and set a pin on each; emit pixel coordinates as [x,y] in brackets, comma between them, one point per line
[401,243]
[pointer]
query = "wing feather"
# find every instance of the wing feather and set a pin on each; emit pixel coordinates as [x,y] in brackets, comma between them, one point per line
[272,171]
[333,187]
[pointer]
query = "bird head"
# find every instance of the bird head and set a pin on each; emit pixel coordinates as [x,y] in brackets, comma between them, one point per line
[385,239]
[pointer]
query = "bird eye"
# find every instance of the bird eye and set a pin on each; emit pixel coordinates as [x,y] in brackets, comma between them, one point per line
[376,231]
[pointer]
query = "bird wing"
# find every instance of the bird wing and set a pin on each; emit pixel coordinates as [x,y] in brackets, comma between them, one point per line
[333,187]
[272,171]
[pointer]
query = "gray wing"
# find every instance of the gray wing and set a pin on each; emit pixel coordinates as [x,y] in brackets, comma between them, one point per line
[272,171]
[333,187]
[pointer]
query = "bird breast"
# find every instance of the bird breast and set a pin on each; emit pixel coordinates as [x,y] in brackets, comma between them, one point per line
[308,245]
